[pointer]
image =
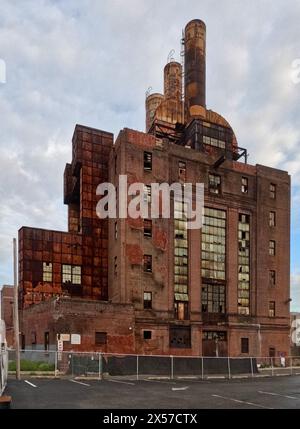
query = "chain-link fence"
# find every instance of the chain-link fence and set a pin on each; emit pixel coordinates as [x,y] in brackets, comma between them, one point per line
[3,370]
[138,367]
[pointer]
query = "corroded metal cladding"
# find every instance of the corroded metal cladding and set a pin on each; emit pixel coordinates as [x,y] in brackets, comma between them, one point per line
[195,68]
[153,101]
[173,81]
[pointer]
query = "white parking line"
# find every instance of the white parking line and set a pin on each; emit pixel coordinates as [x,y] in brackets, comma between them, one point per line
[179,388]
[159,381]
[242,402]
[79,382]
[30,384]
[277,394]
[121,382]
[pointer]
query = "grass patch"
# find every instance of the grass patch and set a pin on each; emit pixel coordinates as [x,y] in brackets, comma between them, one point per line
[27,365]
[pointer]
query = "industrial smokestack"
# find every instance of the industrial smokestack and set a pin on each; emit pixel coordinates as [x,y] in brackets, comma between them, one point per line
[195,68]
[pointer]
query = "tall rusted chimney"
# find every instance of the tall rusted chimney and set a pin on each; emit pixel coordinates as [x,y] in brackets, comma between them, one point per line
[195,68]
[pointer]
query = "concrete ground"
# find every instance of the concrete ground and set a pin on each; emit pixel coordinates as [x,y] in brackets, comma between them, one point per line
[262,393]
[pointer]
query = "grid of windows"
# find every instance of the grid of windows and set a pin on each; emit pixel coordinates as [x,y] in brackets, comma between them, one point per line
[214,244]
[272,248]
[180,261]
[214,142]
[244,265]
[245,185]
[47,272]
[71,274]
[213,298]
[214,184]
[181,254]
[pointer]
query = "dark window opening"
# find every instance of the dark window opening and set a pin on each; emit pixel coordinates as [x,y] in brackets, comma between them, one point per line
[116,230]
[148,263]
[272,278]
[116,265]
[272,352]
[147,161]
[100,338]
[147,228]
[245,345]
[147,335]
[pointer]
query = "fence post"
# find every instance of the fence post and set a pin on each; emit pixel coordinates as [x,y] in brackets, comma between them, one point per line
[251,362]
[291,358]
[172,367]
[202,369]
[100,366]
[137,367]
[229,370]
[55,367]
[272,367]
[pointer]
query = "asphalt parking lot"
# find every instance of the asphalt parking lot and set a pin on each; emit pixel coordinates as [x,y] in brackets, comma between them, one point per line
[264,393]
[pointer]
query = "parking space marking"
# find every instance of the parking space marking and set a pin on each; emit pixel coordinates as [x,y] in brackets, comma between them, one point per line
[79,382]
[30,384]
[278,394]
[159,381]
[179,388]
[121,382]
[241,402]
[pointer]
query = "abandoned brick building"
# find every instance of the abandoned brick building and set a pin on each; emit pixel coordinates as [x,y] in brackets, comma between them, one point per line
[151,285]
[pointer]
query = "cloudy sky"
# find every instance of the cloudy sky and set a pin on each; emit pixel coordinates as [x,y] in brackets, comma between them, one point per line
[91,61]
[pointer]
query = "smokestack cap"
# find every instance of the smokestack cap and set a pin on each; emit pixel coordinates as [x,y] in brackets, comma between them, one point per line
[195,21]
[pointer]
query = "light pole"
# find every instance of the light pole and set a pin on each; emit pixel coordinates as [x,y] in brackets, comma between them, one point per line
[16,312]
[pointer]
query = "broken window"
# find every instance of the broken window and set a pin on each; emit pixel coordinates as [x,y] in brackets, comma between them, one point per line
[180,337]
[147,161]
[272,309]
[213,299]
[71,274]
[214,335]
[147,228]
[214,244]
[147,300]
[47,272]
[273,189]
[272,248]
[244,265]
[272,219]
[181,310]
[148,263]
[244,185]
[214,184]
